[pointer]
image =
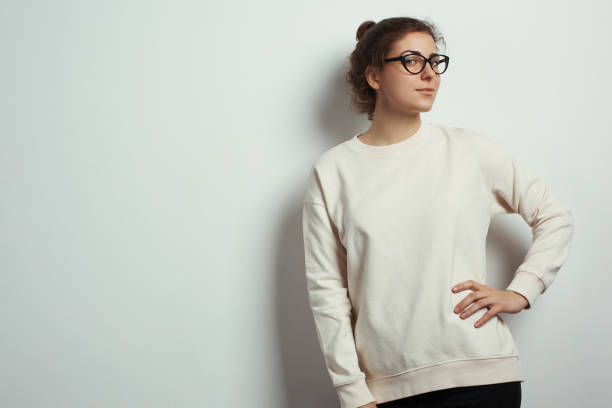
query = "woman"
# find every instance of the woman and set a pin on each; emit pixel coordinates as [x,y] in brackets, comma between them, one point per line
[395,223]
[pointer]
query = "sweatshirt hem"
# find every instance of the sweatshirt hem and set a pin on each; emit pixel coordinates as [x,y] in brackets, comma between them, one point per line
[449,374]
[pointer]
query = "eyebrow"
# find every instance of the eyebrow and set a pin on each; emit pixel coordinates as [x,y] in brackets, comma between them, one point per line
[419,52]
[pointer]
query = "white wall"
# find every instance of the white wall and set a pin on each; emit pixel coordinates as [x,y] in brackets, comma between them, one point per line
[153,157]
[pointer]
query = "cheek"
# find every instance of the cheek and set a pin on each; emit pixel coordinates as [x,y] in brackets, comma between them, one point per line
[402,89]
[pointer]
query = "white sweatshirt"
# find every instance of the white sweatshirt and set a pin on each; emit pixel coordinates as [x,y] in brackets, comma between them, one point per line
[388,230]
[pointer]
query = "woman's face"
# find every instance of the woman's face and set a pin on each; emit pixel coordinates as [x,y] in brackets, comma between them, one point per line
[396,87]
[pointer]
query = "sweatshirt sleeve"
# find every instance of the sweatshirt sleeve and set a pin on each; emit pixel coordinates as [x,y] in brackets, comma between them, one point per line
[514,188]
[326,276]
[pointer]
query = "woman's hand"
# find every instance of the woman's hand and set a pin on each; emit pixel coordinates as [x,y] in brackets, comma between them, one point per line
[370,405]
[495,300]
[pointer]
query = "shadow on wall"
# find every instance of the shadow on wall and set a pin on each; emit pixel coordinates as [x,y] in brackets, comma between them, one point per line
[332,111]
[307,383]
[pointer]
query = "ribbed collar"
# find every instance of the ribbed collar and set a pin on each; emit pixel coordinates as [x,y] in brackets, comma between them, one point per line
[395,149]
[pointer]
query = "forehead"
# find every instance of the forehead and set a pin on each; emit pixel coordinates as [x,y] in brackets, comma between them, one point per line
[418,41]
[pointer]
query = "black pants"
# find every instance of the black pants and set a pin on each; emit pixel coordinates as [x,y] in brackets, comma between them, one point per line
[501,395]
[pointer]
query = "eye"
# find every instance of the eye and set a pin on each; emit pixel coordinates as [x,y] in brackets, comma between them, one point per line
[412,59]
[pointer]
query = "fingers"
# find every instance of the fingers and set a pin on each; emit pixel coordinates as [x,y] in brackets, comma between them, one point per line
[468,284]
[468,300]
[483,301]
[479,298]
[487,316]
[476,303]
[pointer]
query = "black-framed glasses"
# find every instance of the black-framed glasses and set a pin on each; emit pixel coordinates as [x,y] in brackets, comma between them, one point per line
[415,63]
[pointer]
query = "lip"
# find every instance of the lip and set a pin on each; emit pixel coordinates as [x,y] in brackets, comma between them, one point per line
[426,91]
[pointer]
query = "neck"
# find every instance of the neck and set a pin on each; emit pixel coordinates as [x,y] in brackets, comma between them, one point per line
[390,127]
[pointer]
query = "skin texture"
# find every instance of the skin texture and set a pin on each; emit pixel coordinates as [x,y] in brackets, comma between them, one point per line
[398,103]
[496,300]
[397,114]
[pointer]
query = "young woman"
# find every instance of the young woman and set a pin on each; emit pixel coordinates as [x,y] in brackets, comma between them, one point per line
[395,223]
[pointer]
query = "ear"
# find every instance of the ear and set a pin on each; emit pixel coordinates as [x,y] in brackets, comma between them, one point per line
[373,75]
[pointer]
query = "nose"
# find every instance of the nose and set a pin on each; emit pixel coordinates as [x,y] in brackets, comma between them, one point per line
[428,70]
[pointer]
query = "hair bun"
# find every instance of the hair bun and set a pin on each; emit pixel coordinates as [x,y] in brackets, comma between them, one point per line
[363,28]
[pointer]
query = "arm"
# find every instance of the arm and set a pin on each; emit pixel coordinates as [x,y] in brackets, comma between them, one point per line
[325,261]
[514,188]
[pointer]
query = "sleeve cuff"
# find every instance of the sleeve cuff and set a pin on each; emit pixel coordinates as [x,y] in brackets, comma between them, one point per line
[528,285]
[354,394]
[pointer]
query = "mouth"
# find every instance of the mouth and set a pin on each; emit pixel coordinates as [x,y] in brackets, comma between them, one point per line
[426,91]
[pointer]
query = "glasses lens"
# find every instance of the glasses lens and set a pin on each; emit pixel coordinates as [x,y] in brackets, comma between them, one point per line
[439,64]
[413,62]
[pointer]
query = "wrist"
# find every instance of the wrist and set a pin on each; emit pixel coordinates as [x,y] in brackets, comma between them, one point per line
[526,301]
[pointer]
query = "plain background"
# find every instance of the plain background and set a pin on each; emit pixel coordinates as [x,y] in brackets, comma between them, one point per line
[153,161]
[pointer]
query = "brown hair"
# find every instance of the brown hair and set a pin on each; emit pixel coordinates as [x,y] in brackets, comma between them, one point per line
[374,42]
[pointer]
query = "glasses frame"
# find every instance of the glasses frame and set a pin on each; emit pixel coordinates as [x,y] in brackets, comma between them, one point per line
[402,58]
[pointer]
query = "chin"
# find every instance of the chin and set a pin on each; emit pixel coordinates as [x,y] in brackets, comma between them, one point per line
[425,108]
